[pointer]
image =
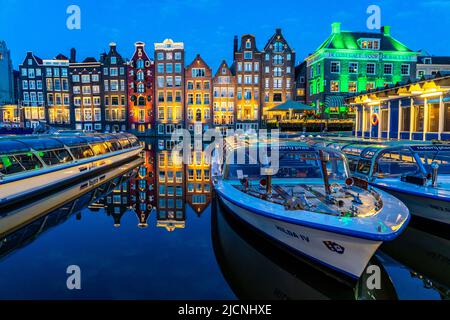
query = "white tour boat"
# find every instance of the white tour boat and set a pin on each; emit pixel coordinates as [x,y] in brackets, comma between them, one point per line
[310,205]
[30,165]
[417,174]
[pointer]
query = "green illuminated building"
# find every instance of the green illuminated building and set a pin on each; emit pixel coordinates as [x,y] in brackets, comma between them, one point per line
[354,62]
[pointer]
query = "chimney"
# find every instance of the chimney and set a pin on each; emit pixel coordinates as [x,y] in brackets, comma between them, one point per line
[336,27]
[112,46]
[386,30]
[73,55]
[235,46]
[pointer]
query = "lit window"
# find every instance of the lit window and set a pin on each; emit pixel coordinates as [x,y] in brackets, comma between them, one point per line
[278,47]
[369,44]
[277,59]
[352,87]
[334,86]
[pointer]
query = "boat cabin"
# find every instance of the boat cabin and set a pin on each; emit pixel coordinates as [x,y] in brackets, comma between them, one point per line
[21,154]
[412,163]
[292,162]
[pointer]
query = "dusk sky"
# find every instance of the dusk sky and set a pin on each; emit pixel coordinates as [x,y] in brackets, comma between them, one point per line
[208,26]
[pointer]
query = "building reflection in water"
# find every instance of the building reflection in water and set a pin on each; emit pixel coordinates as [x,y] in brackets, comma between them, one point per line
[142,188]
[163,186]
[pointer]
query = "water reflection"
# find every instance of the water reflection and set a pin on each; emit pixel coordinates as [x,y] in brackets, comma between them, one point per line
[157,194]
[256,268]
[426,252]
[161,186]
[22,225]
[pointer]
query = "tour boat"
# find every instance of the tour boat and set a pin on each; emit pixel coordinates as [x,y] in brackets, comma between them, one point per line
[417,174]
[309,204]
[291,278]
[30,165]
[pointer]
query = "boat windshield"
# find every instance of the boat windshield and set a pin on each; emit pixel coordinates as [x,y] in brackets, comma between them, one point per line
[441,157]
[396,163]
[306,164]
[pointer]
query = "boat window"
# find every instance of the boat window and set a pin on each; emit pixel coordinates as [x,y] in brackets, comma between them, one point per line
[299,165]
[440,157]
[125,143]
[18,163]
[396,163]
[352,163]
[247,170]
[351,150]
[100,148]
[53,157]
[364,167]
[82,152]
[134,142]
[113,145]
[336,166]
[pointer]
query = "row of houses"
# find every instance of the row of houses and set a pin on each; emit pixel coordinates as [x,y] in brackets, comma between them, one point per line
[154,94]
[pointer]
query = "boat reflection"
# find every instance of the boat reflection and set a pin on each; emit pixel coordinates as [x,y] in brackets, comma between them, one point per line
[21,225]
[427,253]
[256,268]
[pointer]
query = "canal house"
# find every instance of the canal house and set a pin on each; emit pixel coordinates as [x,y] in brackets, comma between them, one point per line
[351,62]
[409,111]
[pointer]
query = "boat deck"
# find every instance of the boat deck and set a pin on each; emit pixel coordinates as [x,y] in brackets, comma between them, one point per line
[314,198]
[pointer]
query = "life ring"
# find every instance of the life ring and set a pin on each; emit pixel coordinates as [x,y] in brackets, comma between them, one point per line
[374,119]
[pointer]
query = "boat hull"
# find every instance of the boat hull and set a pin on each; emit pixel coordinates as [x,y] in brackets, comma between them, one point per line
[424,207]
[22,189]
[345,254]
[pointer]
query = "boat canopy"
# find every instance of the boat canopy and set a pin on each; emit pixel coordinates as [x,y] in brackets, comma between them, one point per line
[293,160]
[397,159]
[26,153]
[12,146]
[72,141]
[43,144]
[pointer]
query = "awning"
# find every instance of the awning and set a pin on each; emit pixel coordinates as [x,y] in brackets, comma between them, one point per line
[295,106]
[334,101]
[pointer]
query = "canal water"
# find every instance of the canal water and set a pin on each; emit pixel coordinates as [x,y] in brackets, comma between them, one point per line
[154,230]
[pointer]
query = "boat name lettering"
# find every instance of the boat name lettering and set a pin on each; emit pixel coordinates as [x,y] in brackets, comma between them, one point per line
[445,209]
[293,234]
[333,246]
[430,148]
[296,148]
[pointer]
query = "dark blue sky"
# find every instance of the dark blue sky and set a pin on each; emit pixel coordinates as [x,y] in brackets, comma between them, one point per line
[208,26]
